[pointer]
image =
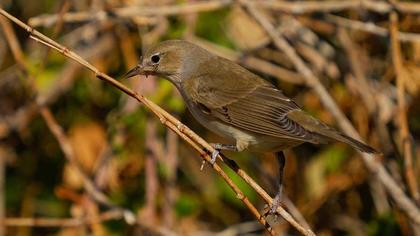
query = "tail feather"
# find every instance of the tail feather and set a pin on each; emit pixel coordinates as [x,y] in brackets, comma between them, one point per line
[355,143]
[324,132]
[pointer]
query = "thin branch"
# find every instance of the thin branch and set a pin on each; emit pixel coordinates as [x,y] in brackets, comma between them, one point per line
[188,135]
[61,222]
[142,13]
[370,27]
[244,228]
[352,51]
[2,189]
[407,150]
[171,163]
[151,175]
[407,7]
[88,184]
[12,41]
[303,7]
[77,222]
[402,200]
[295,212]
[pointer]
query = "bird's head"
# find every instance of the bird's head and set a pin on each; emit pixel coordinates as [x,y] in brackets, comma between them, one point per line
[172,59]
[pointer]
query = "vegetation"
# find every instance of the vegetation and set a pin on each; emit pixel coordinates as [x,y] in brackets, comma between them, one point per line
[80,157]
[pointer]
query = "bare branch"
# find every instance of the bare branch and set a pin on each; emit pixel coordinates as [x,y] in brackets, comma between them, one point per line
[61,222]
[141,13]
[370,27]
[302,7]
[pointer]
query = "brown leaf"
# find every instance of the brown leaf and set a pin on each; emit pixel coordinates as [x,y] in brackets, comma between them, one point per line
[88,141]
[244,31]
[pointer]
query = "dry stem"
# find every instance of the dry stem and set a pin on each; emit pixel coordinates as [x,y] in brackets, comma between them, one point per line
[62,222]
[301,7]
[370,27]
[407,150]
[130,11]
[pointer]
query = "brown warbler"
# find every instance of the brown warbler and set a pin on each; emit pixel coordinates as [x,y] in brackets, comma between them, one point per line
[237,104]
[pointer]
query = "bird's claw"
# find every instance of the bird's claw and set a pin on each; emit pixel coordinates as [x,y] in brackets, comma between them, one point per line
[214,156]
[272,209]
[203,163]
[213,159]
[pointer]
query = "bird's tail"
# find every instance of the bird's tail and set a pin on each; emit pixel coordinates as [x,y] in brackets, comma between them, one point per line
[354,143]
[325,132]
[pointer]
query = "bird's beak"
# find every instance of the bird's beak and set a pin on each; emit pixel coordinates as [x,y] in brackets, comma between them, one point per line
[137,70]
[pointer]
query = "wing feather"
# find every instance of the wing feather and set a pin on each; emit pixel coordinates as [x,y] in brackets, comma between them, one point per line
[241,99]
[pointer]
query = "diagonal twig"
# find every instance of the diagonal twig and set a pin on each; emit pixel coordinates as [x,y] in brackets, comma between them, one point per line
[370,27]
[68,150]
[302,7]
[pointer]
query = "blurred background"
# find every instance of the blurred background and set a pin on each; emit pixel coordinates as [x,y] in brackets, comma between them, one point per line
[79,157]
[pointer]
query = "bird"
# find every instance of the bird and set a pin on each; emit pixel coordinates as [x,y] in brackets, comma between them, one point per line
[237,104]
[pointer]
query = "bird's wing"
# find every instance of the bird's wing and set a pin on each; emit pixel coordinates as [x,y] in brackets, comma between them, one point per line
[250,104]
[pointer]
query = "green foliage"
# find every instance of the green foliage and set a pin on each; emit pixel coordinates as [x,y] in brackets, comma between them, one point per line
[226,192]
[328,161]
[333,157]
[45,75]
[186,205]
[49,205]
[384,225]
[176,30]
[135,122]
[210,26]
[164,95]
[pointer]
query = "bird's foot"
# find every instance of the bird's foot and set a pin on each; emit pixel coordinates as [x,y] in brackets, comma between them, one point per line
[277,201]
[217,148]
[214,156]
[212,160]
[271,210]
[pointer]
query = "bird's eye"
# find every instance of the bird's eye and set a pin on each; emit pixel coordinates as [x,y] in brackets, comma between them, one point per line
[155,58]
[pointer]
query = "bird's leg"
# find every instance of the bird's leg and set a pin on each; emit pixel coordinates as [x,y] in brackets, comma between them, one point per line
[277,199]
[218,147]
